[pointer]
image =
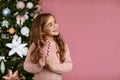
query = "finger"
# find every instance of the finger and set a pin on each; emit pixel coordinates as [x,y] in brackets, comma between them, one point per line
[43,59]
[47,58]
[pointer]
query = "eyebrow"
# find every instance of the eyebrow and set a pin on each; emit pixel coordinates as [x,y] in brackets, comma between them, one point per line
[51,22]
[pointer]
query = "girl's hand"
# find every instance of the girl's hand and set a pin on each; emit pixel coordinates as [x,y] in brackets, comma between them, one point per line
[48,62]
[42,62]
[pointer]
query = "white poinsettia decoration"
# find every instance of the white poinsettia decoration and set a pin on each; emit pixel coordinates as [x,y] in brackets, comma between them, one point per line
[17,47]
[5,23]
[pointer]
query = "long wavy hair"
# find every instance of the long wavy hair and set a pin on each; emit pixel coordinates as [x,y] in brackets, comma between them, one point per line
[37,27]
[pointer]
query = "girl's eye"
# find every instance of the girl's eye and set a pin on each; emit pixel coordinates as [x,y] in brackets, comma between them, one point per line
[55,22]
[50,24]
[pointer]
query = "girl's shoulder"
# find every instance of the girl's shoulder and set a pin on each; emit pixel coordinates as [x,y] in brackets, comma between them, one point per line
[32,45]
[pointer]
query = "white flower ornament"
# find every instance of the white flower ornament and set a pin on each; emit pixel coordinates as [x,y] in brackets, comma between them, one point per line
[5,23]
[17,47]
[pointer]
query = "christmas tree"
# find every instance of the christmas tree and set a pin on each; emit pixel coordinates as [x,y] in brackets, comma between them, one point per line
[16,18]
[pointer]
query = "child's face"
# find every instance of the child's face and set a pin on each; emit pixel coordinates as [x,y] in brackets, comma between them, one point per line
[51,27]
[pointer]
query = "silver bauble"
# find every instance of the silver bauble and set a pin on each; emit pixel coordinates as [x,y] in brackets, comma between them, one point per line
[6,11]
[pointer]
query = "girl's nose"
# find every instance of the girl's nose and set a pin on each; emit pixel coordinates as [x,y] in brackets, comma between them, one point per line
[56,25]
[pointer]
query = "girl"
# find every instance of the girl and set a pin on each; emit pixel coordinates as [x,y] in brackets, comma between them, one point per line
[48,56]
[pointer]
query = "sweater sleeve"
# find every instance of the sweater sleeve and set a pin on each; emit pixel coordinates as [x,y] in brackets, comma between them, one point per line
[28,65]
[63,67]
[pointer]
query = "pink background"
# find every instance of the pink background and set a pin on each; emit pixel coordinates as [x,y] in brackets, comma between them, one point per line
[92,30]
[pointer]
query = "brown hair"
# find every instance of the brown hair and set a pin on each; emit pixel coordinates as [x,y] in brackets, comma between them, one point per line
[37,27]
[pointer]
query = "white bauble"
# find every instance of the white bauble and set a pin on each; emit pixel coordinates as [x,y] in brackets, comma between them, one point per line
[25,51]
[29,5]
[25,31]
[6,11]
[20,5]
[26,16]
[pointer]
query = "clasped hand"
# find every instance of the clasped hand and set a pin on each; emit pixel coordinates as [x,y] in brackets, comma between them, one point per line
[45,61]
